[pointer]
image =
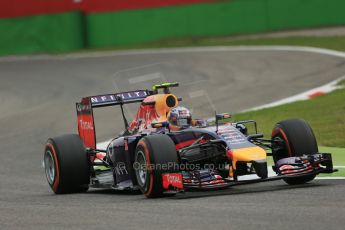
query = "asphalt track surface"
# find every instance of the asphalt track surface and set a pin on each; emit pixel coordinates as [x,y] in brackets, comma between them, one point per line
[37,101]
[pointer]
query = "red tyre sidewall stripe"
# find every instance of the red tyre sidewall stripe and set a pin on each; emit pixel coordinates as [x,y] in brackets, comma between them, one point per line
[57,174]
[148,165]
[279,130]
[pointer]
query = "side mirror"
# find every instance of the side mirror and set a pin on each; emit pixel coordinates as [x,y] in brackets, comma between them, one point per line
[223,116]
[220,117]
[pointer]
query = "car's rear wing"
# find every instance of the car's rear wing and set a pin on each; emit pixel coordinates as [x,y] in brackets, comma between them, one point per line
[86,124]
[119,98]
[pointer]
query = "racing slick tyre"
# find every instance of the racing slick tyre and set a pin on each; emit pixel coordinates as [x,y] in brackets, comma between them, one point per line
[154,155]
[298,139]
[66,164]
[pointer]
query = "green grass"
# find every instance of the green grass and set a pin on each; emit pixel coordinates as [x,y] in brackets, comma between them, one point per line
[325,114]
[338,156]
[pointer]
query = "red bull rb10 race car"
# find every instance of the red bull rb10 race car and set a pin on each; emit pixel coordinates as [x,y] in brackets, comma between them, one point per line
[164,151]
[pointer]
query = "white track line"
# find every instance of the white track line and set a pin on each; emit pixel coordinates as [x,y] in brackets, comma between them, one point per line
[330,178]
[172,51]
[207,49]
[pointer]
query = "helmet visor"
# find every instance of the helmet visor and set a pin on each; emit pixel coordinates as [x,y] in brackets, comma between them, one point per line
[182,122]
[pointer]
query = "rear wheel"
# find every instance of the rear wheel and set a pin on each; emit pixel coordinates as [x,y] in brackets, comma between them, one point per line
[297,139]
[66,164]
[154,156]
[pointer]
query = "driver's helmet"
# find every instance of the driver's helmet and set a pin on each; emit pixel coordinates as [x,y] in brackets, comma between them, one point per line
[180,117]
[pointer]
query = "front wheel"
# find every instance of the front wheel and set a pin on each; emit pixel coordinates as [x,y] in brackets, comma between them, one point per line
[154,156]
[297,139]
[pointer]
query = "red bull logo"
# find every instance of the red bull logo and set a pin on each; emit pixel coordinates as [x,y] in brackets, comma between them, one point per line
[145,116]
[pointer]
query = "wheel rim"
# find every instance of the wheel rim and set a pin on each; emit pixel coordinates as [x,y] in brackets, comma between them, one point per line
[282,153]
[49,165]
[141,171]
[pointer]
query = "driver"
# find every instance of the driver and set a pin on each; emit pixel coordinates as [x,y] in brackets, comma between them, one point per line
[179,118]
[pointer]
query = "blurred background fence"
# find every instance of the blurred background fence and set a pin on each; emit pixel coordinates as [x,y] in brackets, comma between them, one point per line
[41,26]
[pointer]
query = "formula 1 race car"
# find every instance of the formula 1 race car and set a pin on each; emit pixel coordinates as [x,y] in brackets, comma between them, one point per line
[164,151]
